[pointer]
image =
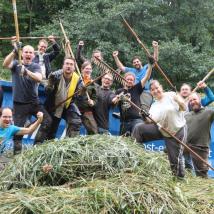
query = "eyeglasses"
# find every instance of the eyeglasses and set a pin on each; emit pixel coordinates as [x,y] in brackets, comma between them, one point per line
[42,46]
[7,117]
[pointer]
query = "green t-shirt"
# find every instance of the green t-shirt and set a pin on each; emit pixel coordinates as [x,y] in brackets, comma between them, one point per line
[199,124]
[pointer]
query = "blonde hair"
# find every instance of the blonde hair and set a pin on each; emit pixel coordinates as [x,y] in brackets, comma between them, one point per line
[154,82]
[129,74]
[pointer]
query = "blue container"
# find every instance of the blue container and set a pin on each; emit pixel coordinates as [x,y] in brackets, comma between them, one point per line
[114,125]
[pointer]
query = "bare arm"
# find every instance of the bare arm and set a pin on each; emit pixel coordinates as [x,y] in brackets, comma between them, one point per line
[116,99]
[35,76]
[156,50]
[117,61]
[7,63]
[178,99]
[147,76]
[32,127]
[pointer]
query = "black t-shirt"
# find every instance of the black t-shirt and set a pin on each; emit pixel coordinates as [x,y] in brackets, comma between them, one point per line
[127,111]
[25,89]
[101,109]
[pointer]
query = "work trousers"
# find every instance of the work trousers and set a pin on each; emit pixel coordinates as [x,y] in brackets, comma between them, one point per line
[145,132]
[89,122]
[201,169]
[22,113]
[126,127]
[73,121]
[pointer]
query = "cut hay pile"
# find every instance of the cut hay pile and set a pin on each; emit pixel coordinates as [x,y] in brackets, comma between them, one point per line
[99,174]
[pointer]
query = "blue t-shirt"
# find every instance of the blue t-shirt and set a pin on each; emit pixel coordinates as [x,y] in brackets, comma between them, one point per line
[139,75]
[6,136]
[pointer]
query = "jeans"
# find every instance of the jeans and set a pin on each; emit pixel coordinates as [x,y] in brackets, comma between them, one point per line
[126,127]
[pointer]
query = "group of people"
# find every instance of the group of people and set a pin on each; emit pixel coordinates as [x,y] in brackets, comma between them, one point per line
[81,101]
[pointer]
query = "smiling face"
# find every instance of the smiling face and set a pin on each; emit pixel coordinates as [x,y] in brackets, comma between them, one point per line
[87,70]
[42,47]
[6,118]
[137,63]
[195,102]
[156,89]
[185,90]
[28,54]
[130,80]
[107,81]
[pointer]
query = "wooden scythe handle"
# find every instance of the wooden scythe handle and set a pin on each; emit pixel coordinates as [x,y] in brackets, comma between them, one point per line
[17,28]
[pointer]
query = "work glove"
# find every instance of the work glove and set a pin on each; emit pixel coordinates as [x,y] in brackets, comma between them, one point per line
[151,60]
[16,47]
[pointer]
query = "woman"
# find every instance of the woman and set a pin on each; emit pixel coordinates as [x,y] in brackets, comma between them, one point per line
[168,111]
[87,100]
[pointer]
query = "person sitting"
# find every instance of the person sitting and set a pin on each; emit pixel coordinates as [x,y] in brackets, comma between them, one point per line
[167,111]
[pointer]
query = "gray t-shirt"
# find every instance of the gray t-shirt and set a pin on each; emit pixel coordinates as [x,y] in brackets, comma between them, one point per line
[25,89]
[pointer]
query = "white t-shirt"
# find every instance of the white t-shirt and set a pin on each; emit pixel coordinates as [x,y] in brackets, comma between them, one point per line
[166,112]
[42,65]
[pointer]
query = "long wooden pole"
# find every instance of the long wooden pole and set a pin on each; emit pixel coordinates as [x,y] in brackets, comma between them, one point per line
[170,134]
[204,79]
[72,54]
[110,68]
[62,102]
[29,37]
[17,29]
[147,52]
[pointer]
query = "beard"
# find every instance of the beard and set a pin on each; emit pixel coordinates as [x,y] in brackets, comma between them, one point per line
[196,108]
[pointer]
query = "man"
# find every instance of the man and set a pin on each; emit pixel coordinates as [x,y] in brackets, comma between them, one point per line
[44,59]
[62,84]
[25,79]
[129,114]
[8,130]
[80,58]
[139,71]
[185,92]
[199,121]
[104,102]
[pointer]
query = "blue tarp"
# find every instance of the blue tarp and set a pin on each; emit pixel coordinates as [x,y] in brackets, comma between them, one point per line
[113,123]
